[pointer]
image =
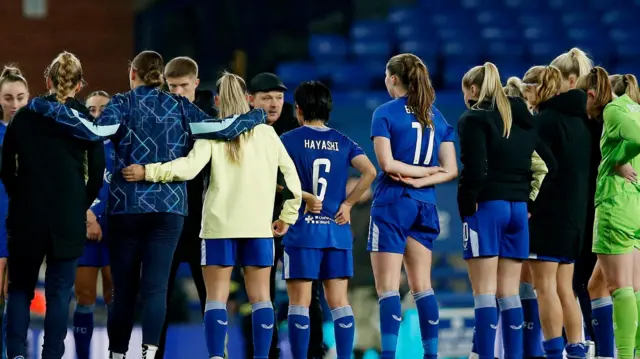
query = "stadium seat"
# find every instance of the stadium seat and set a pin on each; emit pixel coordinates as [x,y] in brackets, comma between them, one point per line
[565,4]
[425,50]
[374,50]
[534,19]
[481,4]
[573,18]
[543,33]
[413,31]
[453,73]
[328,48]
[509,68]
[469,51]
[401,15]
[439,4]
[348,76]
[459,18]
[505,50]
[624,32]
[627,52]
[525,5]
[494,32]
[370,30]
[620,17]
[293,73]
[543,52]
[500,17]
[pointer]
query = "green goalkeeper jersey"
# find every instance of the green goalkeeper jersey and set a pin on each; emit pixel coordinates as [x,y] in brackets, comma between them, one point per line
[620,144]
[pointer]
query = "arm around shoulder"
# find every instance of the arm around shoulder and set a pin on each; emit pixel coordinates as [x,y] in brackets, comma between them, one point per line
[183,168]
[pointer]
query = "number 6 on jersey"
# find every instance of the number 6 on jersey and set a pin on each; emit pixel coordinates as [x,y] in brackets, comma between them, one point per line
[320,180]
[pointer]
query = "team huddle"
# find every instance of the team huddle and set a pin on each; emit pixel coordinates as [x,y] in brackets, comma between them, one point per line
[547,162]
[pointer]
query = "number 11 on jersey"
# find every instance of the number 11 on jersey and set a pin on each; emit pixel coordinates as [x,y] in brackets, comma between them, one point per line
[416,156]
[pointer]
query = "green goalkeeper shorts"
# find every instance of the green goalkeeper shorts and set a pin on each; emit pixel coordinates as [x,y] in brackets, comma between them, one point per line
[616,229]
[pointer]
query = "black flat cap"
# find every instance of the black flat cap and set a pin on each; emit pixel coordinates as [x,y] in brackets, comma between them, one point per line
[265,82]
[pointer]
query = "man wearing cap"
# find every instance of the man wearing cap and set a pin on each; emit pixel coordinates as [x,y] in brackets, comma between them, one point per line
[267,92]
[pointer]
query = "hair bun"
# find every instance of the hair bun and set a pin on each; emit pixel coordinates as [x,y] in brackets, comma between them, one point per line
[10,71]
[153,77]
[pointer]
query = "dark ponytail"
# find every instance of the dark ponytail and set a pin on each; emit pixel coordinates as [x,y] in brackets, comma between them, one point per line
[149,66]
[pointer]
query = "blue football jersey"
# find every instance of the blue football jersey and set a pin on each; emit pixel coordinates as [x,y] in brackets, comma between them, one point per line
[411,144]
[322,157]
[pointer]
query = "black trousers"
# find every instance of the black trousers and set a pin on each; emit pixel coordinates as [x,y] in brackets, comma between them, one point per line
[188,251]
[316,341]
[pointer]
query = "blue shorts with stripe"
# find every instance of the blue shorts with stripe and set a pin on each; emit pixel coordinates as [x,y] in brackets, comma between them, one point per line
[559,260]
[497,229]
[96,254]
[253,252]
[392,223]
[317,263]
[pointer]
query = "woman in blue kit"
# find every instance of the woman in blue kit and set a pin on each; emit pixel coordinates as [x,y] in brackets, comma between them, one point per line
[319,244]
[411,138]
[14,94]
[95,258]
[497,140]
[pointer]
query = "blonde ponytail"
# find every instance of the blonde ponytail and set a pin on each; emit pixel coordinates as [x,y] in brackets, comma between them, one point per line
[232,91]
[574,62]
[514,87]
[487,79]
[626,85]
[550,81]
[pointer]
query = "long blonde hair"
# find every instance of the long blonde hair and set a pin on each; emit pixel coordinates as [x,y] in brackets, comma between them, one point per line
[574,62]
[625,85]
[232,92]
[487,79]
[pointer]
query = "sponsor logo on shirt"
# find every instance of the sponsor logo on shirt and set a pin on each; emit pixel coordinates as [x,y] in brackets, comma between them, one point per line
[318,219]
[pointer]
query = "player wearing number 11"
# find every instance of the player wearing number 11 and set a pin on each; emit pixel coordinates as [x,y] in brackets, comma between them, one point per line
[411,138]
[318,245]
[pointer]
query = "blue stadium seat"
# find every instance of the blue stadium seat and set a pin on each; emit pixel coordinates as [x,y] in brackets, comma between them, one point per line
[293,73]
[370,30]
[620,17]
[505,50]
[543,33]
[624,32]
[439,4]
[447,34]
[425,50]
[627,52]
[348,76]
[543,52]
[565,4]
[328,48]
[495,17]
[469,51]
[374,71]
[399,15]
[371,49]
[453,73]
[600,5]
[413,31]
[493,32]
[533,19]
[586,32]
[481,4]
[626,68]
[460,18]
[573,18]
[509,68]
[525,4]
